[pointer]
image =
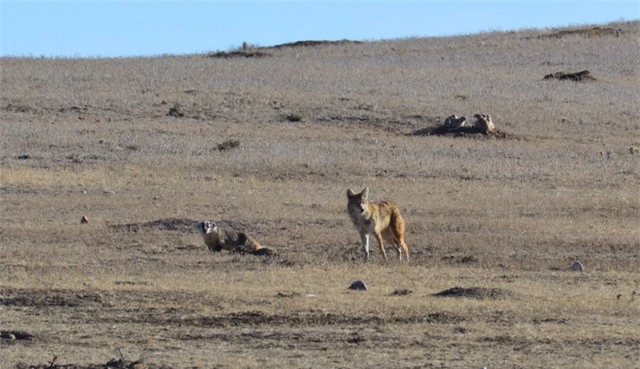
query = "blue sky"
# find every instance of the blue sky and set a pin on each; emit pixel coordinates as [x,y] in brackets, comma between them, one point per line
[134,28]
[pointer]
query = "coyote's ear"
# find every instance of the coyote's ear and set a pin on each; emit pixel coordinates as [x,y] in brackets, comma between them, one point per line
[365,192]
[350,193]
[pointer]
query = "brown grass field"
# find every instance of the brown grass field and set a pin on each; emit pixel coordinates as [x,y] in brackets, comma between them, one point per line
[269,142]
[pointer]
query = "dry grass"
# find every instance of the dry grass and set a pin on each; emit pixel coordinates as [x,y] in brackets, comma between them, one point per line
[509,212]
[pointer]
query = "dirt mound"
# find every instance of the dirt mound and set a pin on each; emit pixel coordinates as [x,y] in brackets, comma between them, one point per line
[18,108]
[111,364]
[238,54]
[581,76]
[48,298]
[457,132]
[264,251]
[169,224]
[309,43]
[16,335]
[586,32]
[178,225]
[474,292]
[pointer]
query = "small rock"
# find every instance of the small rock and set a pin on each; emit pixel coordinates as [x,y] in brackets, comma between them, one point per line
[84,220]
[400,292]
[358,286]
[577,266]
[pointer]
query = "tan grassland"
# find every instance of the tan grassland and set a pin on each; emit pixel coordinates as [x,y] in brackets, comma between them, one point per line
[511,212]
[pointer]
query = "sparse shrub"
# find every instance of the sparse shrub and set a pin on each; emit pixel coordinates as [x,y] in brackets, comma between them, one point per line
[292,117]
[228,145]
[175,111]
[75,158]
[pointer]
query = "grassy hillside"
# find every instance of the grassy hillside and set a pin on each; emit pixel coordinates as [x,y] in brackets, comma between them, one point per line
[268,140]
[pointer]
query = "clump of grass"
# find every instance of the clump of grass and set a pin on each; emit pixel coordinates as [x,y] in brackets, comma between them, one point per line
[175,111]
[228,145]
[293,117]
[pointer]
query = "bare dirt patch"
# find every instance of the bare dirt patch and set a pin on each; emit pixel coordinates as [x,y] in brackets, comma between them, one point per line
[169,224]
[581,76]
[475,293]
[467,132]
[120,363]
[35,298]
[16,335]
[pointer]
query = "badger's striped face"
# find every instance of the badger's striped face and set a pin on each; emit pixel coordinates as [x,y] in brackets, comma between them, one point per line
[483,118]
[206,227]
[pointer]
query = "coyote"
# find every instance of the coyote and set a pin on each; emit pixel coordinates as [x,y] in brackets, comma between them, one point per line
[381,218]
[218,238]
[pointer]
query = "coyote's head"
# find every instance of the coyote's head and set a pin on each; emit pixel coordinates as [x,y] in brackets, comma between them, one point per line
[206,227]
[358,202]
